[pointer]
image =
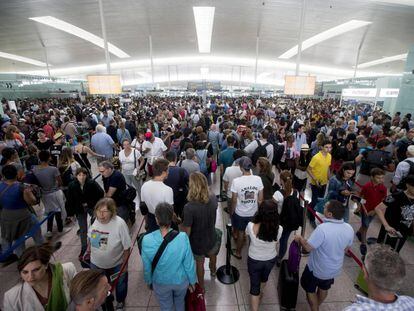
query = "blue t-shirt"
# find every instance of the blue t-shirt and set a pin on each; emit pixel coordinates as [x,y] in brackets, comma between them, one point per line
[329,241]
[226,157]
[12,198]
[102,144]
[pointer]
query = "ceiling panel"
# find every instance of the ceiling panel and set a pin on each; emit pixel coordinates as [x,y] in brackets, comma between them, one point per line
[236,25]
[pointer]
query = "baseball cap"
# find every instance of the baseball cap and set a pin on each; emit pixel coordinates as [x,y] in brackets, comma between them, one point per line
[148,135]
[245,163]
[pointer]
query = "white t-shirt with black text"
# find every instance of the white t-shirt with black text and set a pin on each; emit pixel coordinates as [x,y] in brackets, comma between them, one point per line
[247,188]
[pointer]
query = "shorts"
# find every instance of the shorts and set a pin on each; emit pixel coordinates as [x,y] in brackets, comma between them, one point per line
[366,220]
[259,273]
[240,222]
[309,282]
[214,250]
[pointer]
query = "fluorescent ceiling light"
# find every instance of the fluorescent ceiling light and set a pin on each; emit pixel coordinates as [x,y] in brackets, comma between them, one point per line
[23,59]
[204,19]
[79,32]
[383,60]
[325,35]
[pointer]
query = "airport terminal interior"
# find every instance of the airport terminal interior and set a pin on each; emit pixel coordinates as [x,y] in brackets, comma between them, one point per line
[226,116]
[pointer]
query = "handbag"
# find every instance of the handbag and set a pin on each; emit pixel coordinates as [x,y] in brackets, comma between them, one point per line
[213,166]
[195,301]
[138,174]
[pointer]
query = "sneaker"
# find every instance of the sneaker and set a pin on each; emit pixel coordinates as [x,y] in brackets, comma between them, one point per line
[363,249]
[48,235]
[120,306]
[358,235]
[57,246]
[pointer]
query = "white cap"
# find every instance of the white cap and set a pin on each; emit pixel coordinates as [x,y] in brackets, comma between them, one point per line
[410,150]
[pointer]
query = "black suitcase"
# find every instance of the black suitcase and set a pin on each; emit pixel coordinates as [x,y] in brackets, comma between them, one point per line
[287,287]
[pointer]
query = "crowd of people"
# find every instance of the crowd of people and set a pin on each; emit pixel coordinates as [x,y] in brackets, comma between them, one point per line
[161,156]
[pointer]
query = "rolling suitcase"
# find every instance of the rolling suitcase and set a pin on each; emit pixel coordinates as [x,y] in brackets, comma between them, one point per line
[360,283]
[287,287]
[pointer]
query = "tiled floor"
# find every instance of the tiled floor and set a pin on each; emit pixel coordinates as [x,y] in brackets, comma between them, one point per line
[220,297]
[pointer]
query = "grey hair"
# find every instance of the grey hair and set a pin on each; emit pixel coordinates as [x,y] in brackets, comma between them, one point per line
[190,153]
[385,268]
[164,213]
[106,164]
[100,128]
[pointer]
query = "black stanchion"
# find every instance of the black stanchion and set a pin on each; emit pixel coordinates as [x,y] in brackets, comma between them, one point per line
[303,251]
[228,274]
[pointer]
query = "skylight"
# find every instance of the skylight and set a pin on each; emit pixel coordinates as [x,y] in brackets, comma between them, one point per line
[22,59]
[383,60]
[325,35]
[204,20]
[79,32]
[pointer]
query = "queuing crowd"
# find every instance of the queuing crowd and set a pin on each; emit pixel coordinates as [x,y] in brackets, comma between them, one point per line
[159,156]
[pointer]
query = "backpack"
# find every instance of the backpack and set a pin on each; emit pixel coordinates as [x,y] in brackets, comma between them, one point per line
[259,152]
[402,149]
[291,216]
[402,185]
[374,159]
[66,175]
[202,160]
[175,146]
[278,151]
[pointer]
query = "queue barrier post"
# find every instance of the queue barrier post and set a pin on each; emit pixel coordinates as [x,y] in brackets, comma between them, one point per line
[228,274]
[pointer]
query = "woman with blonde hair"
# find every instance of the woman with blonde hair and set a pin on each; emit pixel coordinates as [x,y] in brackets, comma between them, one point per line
[316,145]
[199,223]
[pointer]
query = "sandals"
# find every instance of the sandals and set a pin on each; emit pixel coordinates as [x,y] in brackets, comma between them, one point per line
[233,253]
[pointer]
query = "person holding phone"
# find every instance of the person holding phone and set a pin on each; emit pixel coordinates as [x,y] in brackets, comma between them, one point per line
[396,214]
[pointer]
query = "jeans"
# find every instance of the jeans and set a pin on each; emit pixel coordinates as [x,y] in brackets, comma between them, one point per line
[59,222]
[83,227]
[317,192]
[171,297]
[121,289]
[37,236]
[259,271]
[283,243]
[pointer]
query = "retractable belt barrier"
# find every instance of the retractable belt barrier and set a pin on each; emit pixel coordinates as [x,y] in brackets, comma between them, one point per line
[125,263]
[23,238]
[354,257]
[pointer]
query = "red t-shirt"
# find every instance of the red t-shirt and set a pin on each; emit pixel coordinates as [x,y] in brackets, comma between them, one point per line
[373,195]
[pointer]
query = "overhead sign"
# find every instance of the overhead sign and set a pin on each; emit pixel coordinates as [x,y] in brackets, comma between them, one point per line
[389,93]
[300,85]
[105,84]
[359,92]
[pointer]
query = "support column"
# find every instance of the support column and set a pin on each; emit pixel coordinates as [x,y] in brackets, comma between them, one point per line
[302,24]
[152,61]
[405,97]
[107,57]
[257,57]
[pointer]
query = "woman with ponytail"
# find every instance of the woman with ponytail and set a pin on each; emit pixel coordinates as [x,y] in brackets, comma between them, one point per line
[264,232]
[291,213]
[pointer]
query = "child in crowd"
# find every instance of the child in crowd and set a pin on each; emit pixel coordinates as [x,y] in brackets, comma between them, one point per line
[372,194]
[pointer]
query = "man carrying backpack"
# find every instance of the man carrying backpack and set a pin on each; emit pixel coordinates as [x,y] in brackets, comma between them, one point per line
[374,158]
[404,168]
[260,148]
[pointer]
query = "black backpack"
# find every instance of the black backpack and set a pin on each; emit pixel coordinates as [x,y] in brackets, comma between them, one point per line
[291,216]
[278,151]
[374,159]
[403,183]
[259,152]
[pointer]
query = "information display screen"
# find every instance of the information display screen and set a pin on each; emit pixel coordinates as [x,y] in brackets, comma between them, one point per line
[300,85]
[104,84]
